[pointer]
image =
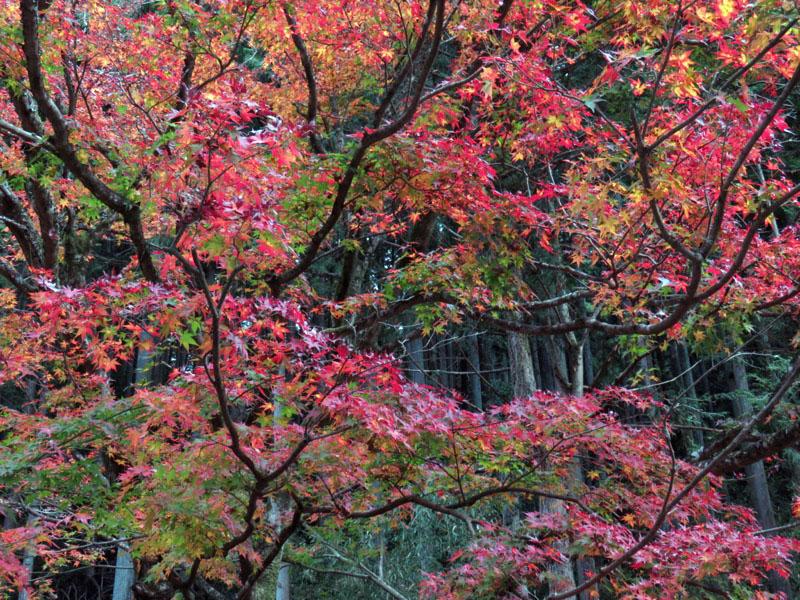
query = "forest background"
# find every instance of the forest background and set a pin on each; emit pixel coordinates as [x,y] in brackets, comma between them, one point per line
[440,298]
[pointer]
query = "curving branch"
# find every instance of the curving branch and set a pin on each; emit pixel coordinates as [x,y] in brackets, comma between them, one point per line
[763,447]
[721,202]
[66,152]
[216,365]
[283,537]
[16,218]
[277,280]
[725,85]
[672,502]
[365,572]
[311,79]
[15,279]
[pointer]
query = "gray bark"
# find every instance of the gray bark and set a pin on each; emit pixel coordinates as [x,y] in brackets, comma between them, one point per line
[283,591]
[588,366]
[523,383]
[10,518]
[523,379]
[268,586]
[546,364]
[537,374]
[474,358]
[680,366]
[28,559]
[560,368]
[687,376]
[124,573]
[757,486]
[575,346]
[445,365]
[275,583]
[576,371]
[416,360]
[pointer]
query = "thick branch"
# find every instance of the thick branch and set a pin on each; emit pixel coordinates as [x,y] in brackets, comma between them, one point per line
[7,271]
[311,79]
[283,537]
[64,149]
[769,445]
[20,225]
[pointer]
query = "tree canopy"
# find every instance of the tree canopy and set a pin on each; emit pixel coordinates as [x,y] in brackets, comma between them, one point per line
[278,276]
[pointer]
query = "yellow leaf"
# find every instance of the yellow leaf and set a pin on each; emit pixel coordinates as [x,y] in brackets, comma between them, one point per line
[726,9]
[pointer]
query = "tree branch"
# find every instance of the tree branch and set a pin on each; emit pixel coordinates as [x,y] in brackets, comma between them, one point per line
[63,148]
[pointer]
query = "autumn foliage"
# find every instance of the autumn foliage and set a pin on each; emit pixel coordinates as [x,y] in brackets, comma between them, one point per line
[197,189]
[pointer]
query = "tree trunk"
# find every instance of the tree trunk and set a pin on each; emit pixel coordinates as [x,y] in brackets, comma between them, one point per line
[757,486]
[534,349]
[124,575]
[588,366]
[523,379]
[124,572]
[546,364]
[416,360]
[575,346]
[523,383]
[680,366]
[269,586]
[474,368]
[28,559]
[274,584]
[560,368]
[687,377]
[445,367]
[283,592]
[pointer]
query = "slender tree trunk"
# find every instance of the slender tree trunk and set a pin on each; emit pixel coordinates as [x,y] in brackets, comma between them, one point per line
[680,366]
[546,364]
[269,585]
[30,552]
[523,378]
[28,559]
[416,360]
[588,366]
[534,349]
[560,368]
[284,591]
[631,413]
[124,575]
[687,376]
[490,362]
[575,346]
[275,583]
[756,477]
[474,368]
[574,355]
[523,382]
[124,571]
[445,366]
[757,485]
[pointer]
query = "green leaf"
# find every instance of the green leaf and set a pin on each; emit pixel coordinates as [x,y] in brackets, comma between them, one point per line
[740,106]
[187,339]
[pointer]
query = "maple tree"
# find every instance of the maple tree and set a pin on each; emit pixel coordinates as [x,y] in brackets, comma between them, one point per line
[264,201]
